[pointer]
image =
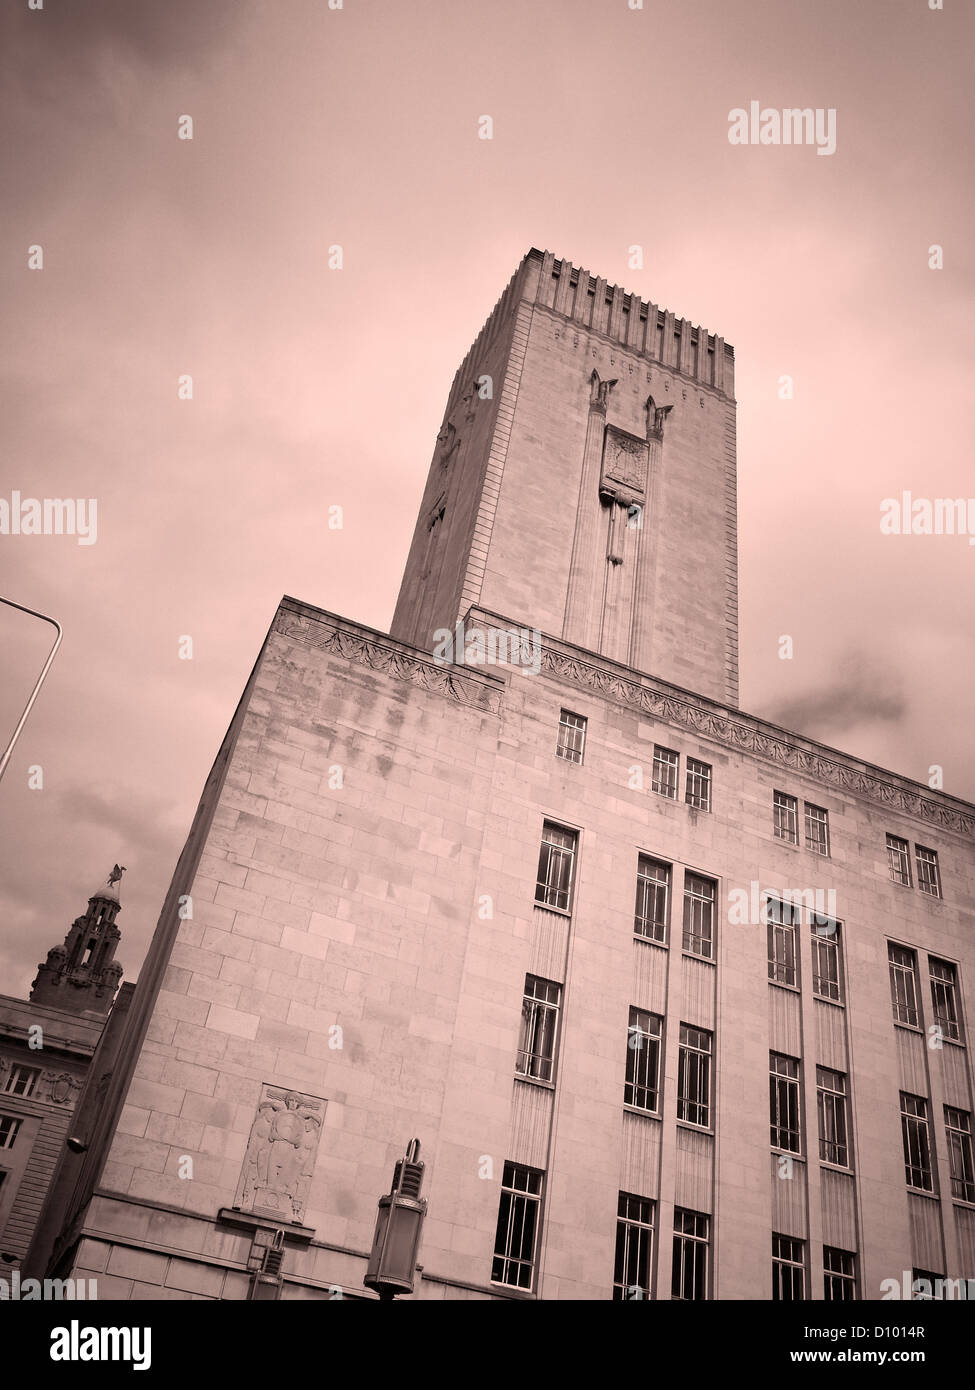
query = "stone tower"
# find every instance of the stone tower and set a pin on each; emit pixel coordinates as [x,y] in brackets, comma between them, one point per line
[584,483]
[82,975]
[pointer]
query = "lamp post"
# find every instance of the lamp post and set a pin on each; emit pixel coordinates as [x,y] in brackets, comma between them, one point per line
[8,752]
[398,1223]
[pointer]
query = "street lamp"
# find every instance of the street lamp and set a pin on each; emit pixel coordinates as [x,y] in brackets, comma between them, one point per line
[398,1224]
[8,752]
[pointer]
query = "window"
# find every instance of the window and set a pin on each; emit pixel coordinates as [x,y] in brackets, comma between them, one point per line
[781,921]
[539,1029]
[831,1104]
[700,895]
[928,874]
[689,1279]
[839,1275]
[665,764]
[694,1076]
[519,1217]
[917,1144]
[944,1001]
[817,829]
[572,737]
[785,817]
[652,899]
[21,1081]
[643,1037]
[556,861]
[788,1269]
[899,860]
[827,959]
[697,790]
[958,1124]
[903,985]
[784,1102]
[634,1248]
[9,1126]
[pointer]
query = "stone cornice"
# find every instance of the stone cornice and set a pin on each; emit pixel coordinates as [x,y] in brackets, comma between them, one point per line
[741,731]
[365,647]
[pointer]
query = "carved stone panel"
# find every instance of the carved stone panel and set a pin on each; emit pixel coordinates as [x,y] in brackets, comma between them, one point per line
[626,461]
[281,1152]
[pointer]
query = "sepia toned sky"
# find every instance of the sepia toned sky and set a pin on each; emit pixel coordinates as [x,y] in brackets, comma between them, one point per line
[314,387]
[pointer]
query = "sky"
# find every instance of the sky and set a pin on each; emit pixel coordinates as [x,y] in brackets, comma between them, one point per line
[315,127]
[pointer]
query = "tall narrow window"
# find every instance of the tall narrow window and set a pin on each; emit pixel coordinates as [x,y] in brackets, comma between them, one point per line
[827,959]
[519,1219]
[642,1088]
[634,1248]
[903,985]
[9,1125]
[785,817]
[697,791]
[781,918]
[817,829]
[689,1276]
[788,1269]
[20,1081]
[784,1102]
[928,874]
[694,1076]
[958,1125]
[899,860]
[839,1275]
[556,863]
[652,899]
[539,1029]
[944,997]
[917,1142]
[572,737]
[831,1104]
[665,767]
[700,895]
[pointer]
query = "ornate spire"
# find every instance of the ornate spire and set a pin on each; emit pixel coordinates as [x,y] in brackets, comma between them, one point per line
[82,976]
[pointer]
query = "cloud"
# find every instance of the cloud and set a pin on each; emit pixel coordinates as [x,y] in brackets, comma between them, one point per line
[863,691]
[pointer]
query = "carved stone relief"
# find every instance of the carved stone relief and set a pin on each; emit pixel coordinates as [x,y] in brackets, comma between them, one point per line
[281,1151]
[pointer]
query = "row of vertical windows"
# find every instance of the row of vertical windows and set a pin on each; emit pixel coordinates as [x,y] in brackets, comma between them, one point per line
[785,822]
[918,1163]
[789,1271]
[20,1081]
[782,923]
[644,1049]
[899,863]
[905,991]
[785,1110]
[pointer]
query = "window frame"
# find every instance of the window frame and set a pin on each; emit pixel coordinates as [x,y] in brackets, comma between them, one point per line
[785,933]
[644,892]
[813,845]
[18,1070]
[928,881]
[945,986]
[839,1278]
[785,802]
[535,1015]
[640,1223]
[565,745]
[10,1126]
[688,1240]
[916,1124]
[823,944]
[833,1117]
[785,1097]
[523,1200]
[644,1079]
[548,884]
[899,849]
[788,1260]
[695,1076]
[701,773]
[961,1158]
[689,934]
[900,971]
[665,787]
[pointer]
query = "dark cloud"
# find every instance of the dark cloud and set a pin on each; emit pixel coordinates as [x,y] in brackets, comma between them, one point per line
[862,691]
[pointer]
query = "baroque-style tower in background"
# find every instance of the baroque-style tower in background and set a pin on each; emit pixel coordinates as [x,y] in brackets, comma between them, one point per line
[83,975]
[543,915]
[592,493]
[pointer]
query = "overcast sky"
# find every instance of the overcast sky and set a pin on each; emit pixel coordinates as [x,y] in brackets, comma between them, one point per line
[359,127]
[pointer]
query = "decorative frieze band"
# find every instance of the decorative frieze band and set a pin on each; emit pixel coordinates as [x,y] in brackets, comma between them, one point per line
[753,740]
[448,681]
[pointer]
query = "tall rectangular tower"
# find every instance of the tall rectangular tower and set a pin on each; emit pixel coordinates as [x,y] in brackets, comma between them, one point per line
[584,483]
